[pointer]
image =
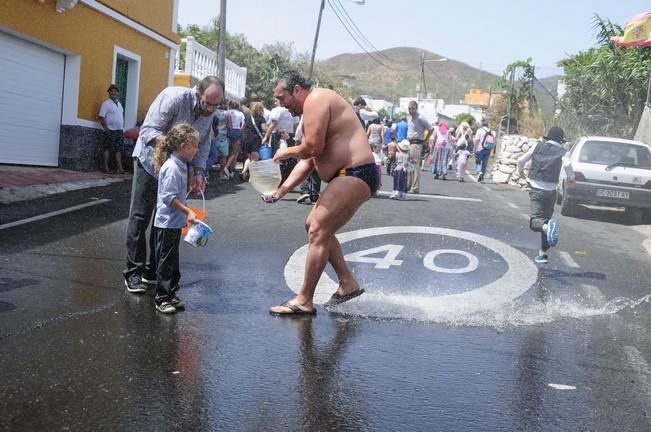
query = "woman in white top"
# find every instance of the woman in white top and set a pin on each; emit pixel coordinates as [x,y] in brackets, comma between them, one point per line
[234,122]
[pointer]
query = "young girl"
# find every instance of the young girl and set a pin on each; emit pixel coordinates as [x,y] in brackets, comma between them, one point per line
[462,159]
[172,154]
[403,165]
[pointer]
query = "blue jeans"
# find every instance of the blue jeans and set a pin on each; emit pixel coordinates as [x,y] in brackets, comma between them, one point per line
[212,156]
[481,160]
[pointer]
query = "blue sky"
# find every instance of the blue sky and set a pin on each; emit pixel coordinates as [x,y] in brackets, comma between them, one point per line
[487,34]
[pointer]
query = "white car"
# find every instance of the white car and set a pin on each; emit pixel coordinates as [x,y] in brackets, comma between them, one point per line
[609,172]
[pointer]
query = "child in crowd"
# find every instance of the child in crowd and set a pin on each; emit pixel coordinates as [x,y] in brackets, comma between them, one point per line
[378,168]
[171,157]
[403,165]
[461,155]
[391,156]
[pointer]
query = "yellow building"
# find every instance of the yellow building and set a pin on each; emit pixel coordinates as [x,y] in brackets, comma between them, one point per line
[57,59]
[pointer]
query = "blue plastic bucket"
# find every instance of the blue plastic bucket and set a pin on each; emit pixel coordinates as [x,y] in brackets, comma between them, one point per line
[198,234]
[265,152]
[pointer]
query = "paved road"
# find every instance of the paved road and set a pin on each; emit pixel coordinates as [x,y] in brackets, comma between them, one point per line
[458,329]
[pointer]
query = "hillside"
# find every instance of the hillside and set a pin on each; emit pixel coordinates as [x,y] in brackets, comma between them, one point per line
[449,79]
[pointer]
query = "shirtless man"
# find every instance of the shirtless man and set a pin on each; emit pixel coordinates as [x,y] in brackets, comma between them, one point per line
[334,143]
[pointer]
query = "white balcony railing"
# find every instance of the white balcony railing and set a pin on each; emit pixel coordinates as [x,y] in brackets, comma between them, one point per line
[201,61]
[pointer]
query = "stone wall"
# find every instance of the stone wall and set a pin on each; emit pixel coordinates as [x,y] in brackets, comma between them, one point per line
[505,168]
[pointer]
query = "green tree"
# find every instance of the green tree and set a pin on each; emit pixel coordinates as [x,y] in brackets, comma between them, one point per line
[382,113]
[522,98]
[464,117]
[605,86]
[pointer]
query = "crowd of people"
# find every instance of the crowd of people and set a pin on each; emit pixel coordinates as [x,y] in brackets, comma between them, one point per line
[239,130]
[411,144]
[315,136]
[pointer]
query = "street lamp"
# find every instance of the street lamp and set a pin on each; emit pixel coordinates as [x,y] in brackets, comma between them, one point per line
[318,27]
[422,68]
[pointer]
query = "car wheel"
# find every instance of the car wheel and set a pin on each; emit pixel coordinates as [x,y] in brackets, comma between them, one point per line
[646,216]
[568,208]
[635,215]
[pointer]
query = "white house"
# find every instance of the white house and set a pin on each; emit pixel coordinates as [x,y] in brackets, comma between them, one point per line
[378,104]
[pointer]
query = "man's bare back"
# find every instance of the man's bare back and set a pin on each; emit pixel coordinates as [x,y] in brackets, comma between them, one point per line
[345,144]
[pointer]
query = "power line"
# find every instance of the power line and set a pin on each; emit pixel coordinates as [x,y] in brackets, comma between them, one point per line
[363,48]
[364,38]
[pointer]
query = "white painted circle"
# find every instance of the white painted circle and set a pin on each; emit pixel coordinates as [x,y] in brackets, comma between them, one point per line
[519,277]
[472,265]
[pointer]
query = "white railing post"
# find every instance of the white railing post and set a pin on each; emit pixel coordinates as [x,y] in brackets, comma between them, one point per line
[189,55]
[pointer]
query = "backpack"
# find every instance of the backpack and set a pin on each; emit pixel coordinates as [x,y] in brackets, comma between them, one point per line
[488,144]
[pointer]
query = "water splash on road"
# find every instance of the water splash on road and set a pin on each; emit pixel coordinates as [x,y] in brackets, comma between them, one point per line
[485,312]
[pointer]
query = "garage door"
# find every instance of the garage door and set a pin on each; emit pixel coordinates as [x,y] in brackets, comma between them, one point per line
[31,94]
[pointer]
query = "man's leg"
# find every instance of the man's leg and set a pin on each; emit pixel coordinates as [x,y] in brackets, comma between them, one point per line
[118,162]
[143,202]
[484,162]
[415,151]
[106,154]
[538,217]
[347,283]
[336,205]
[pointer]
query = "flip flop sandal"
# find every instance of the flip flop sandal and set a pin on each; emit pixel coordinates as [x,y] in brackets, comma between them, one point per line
[337,299]
[294,310]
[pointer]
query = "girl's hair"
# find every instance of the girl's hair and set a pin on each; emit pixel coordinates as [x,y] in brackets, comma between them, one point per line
[177,136]
[257,108]
[463,146]
[234,105]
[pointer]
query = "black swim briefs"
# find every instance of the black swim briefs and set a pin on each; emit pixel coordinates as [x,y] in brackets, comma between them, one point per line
[366,173]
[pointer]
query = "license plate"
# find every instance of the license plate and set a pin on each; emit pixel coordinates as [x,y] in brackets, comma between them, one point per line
[613,193]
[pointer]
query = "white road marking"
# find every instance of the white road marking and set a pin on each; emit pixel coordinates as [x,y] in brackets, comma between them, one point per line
[567,259]
[594,294]
[520,275]
[428,261]
[512,205]
[562,386]
[52,214]
[383,193]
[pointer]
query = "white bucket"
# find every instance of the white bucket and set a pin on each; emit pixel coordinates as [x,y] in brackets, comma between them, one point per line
[198,234]
[265,176]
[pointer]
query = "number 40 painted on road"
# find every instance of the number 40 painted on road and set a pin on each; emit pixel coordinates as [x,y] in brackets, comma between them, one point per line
[392,251]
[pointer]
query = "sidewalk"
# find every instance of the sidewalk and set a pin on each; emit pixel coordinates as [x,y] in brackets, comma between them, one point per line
[23,183]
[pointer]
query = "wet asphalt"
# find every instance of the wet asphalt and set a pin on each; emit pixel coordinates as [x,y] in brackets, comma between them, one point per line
[562,347]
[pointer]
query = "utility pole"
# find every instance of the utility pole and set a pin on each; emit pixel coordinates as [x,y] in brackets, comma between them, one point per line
[221,44]
[422,72]
[316,38]
[508,115]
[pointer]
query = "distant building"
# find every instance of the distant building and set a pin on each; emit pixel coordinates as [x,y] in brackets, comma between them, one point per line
[476,97]
[378,104]
[481,98]
[430,107]
[474,110]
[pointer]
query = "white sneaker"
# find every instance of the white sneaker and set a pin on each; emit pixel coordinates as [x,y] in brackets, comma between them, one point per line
[393,196]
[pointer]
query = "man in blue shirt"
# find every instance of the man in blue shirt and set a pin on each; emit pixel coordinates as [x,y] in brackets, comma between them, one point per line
[172,106]
[401,130]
